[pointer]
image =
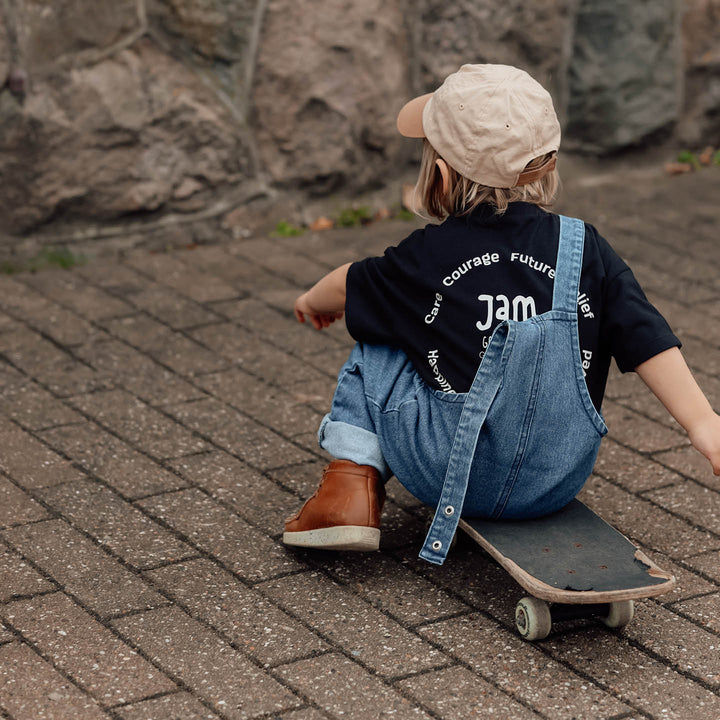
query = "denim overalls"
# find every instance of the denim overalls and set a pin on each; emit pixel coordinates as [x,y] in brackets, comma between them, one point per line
[520,443]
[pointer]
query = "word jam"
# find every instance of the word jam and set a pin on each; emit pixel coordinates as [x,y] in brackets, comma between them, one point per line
[522,309]
[486,259]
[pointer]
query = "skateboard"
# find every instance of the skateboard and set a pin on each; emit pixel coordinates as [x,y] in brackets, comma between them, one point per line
[573,564]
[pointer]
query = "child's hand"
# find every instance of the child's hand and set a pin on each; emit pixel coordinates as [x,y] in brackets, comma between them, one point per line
[705,437]
[319,320]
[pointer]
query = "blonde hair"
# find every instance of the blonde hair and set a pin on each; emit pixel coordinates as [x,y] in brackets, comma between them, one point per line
[465,195]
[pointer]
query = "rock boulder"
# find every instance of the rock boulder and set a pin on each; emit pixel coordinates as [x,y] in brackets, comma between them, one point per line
[624,82]
[328,86]
[133,133]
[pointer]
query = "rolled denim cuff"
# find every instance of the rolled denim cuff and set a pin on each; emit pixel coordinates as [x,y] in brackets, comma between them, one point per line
[350,442]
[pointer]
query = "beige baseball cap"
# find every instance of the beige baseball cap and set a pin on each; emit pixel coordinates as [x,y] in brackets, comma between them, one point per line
[488,122]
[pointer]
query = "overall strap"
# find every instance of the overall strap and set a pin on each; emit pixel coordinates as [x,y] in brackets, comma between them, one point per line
[569,264]
[477,404]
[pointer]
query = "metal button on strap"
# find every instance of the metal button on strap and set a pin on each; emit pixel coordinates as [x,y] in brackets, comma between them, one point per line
[449,510]
[437,545]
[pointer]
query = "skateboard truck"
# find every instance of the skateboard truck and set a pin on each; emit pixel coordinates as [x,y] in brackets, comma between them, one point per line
[534,617]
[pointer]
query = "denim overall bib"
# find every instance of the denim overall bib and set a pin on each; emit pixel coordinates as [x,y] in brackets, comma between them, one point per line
[543,432]
[520,443]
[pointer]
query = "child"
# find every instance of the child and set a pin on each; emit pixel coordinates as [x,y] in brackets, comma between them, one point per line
[484,343]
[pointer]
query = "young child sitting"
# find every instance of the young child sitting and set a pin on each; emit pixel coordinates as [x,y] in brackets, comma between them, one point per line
[484,342]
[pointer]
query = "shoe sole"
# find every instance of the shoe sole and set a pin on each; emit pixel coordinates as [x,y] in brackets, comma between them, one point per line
[343,537]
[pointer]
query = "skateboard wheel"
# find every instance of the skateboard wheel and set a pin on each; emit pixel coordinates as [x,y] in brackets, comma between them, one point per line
[620,614]
[532,618]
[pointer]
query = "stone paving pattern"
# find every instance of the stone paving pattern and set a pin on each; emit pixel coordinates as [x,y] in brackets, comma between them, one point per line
[157,423]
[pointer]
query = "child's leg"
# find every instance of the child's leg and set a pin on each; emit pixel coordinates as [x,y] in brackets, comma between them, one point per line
[344,512]
[347,432]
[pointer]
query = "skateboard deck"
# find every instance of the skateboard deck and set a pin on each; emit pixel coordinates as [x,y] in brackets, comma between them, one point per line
[570,558]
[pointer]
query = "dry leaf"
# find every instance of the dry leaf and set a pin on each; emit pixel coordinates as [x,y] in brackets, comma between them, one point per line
[707,155]
[678,168]
[322,223]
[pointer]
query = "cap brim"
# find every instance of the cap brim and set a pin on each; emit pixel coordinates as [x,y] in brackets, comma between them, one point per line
[409,120]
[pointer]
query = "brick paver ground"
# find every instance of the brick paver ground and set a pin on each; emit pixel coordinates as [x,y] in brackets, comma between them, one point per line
[157,423]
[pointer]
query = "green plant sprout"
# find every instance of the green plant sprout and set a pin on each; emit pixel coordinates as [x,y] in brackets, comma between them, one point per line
[44,260]
[405,214]
[686,156]
[351,217]
[286,229]
[49,257]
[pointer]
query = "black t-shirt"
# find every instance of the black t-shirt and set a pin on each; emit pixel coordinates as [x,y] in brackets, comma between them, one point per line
[439,294]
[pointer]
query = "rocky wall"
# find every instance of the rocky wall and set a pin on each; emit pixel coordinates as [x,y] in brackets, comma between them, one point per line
[624,79]
[117,109]
[699,119]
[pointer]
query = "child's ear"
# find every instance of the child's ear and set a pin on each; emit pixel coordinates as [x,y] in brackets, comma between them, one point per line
[445,174]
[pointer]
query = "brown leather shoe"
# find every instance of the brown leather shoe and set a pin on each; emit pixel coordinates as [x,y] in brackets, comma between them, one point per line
[344,512]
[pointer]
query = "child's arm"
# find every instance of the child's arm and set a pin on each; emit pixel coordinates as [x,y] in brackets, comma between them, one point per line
[324,302]
[670,379]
